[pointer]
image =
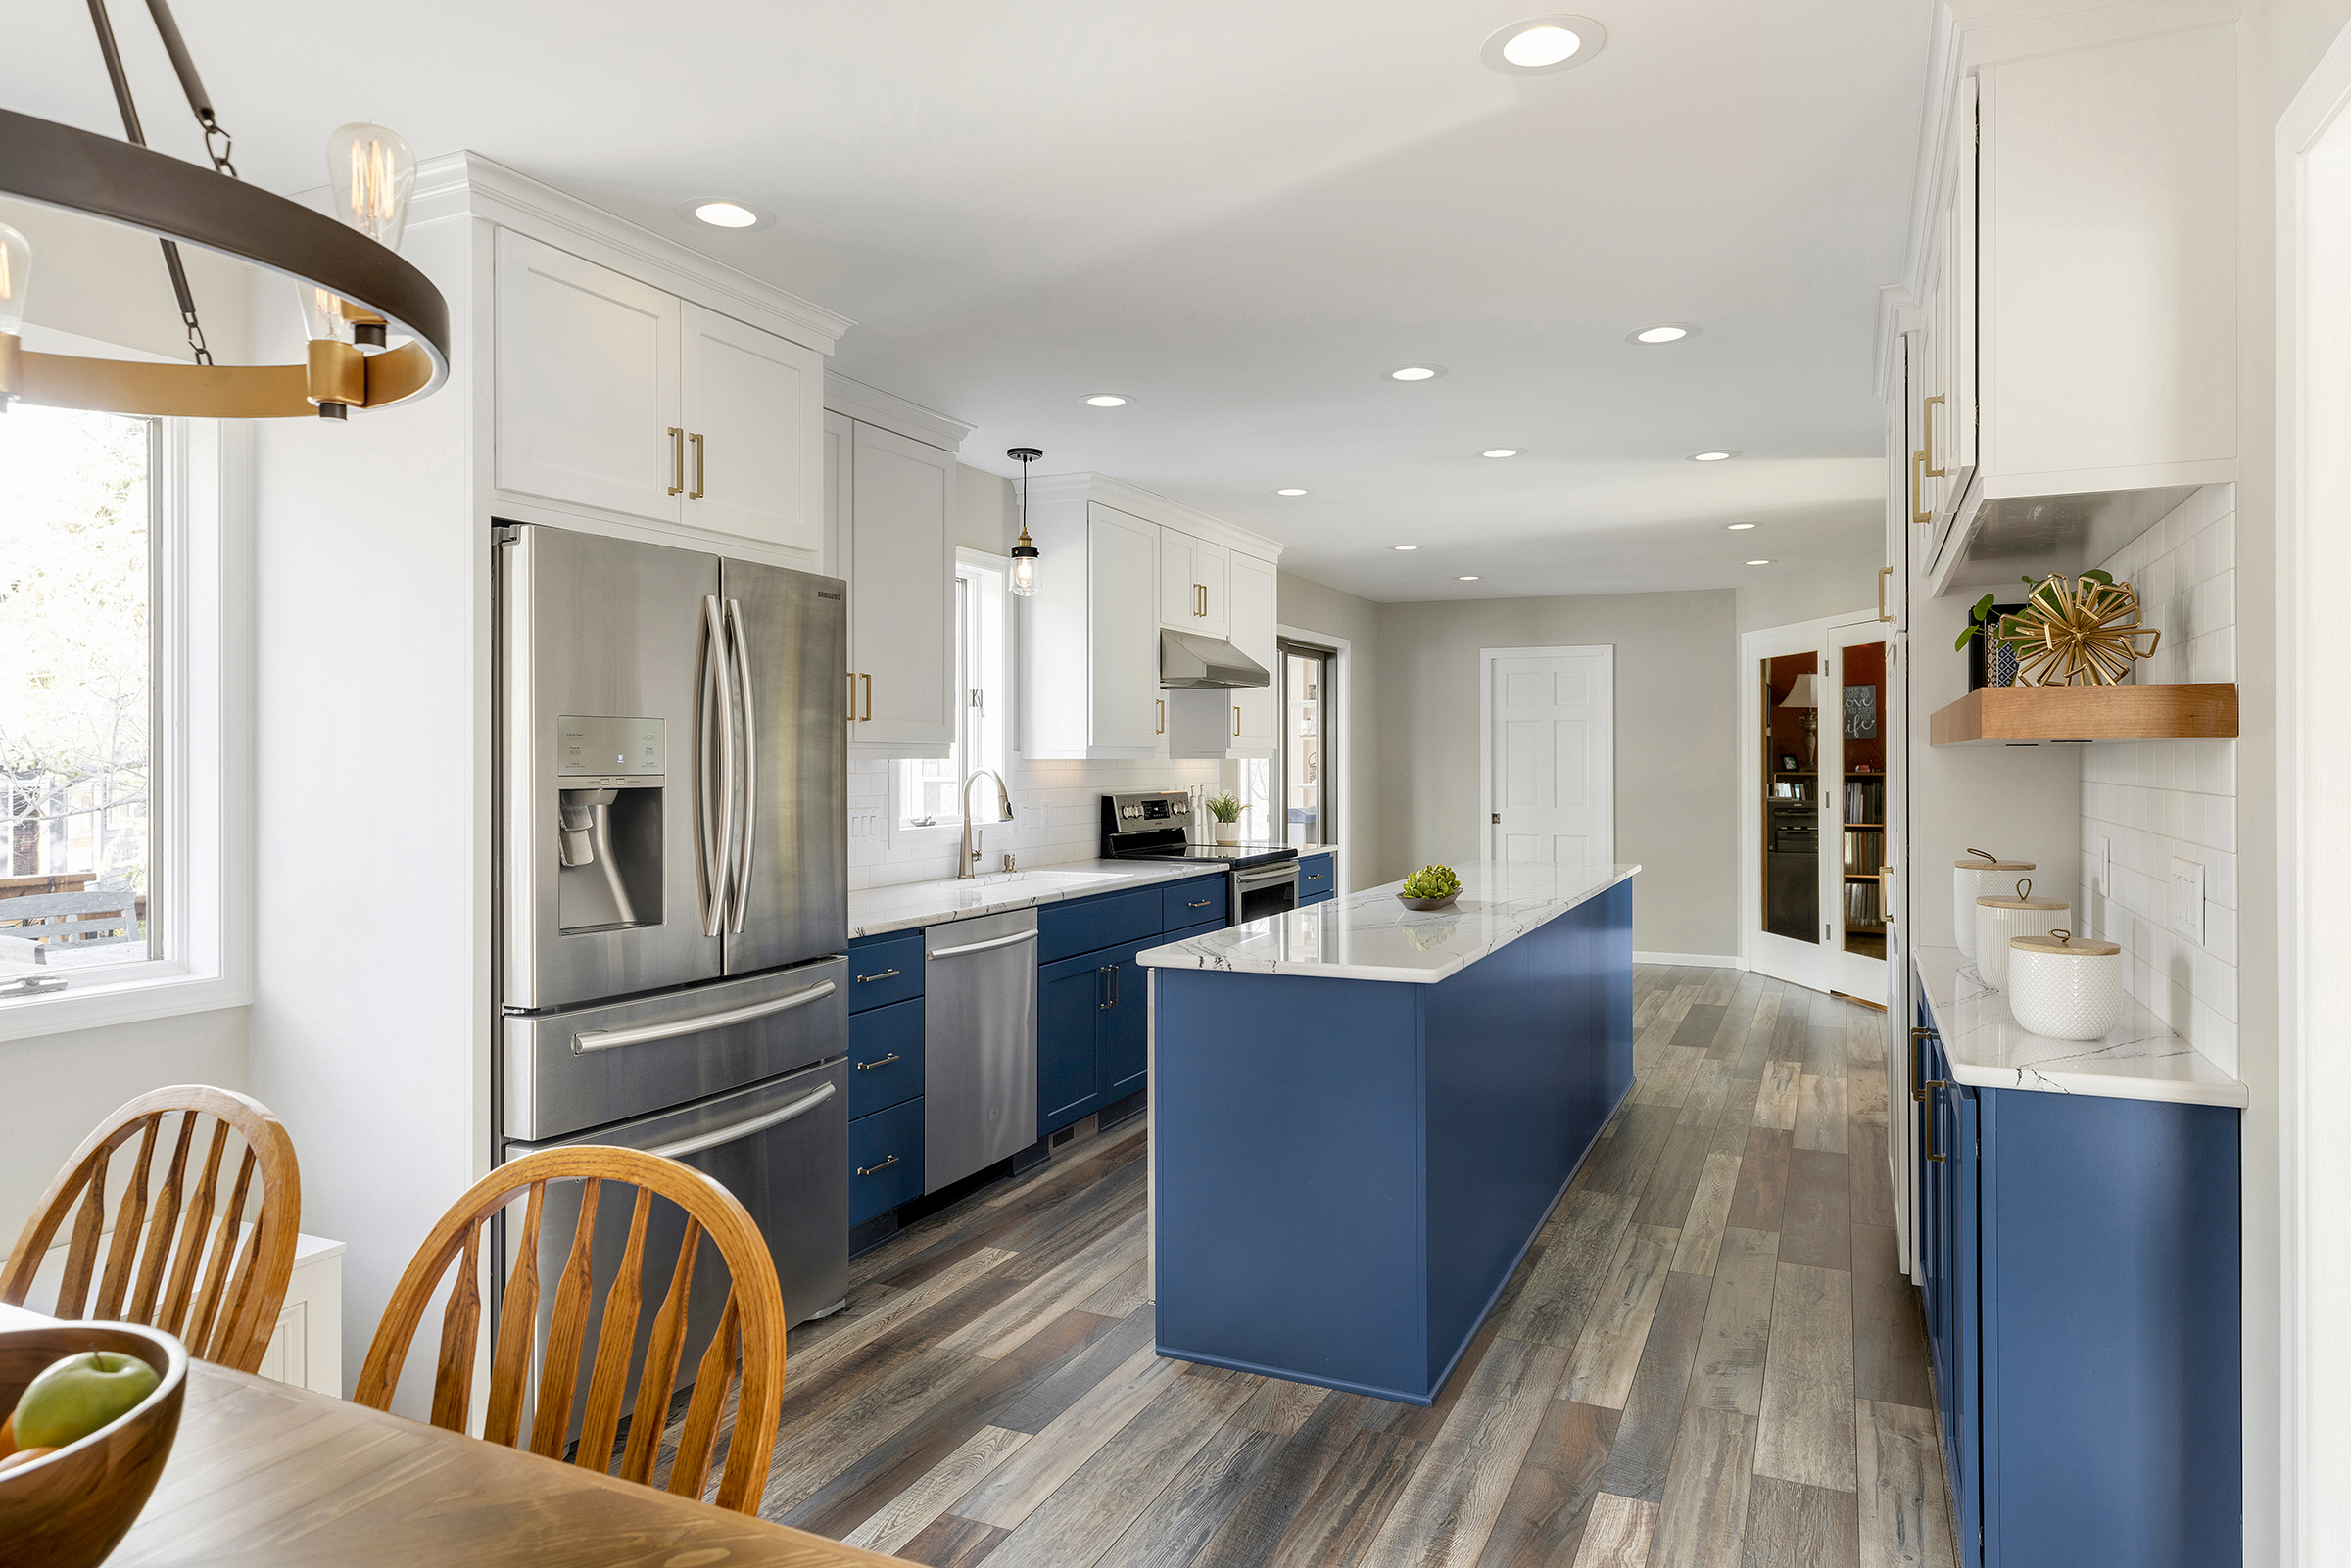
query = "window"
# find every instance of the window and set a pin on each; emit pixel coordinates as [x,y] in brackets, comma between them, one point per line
[76,688]
[1307,693]
[930,789]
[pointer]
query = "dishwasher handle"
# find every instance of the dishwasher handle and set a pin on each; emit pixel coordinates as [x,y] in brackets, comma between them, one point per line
[982,947]
[743,1129]
[645,1033]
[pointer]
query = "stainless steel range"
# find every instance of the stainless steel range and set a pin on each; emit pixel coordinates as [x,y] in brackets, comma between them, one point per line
[1157,825]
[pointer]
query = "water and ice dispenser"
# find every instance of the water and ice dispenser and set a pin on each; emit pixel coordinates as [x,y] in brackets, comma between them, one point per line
[611,775]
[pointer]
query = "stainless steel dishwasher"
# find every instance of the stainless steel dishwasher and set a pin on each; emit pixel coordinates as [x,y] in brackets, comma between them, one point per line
[978,1043]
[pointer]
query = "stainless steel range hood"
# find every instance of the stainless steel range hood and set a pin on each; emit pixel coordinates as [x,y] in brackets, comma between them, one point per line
[1188,661]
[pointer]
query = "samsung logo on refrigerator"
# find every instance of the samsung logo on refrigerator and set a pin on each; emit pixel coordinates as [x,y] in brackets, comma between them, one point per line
[821,594]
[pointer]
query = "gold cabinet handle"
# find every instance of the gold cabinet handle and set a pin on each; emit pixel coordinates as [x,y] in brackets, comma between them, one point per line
[863,1067]
[1918,1063]
[1918,486]
[1928,1119]
[1884,572]
[1926,422]
[1236,720]
[1201,904]
[702,467]
[676,459]
[867,1170]
[885,974]
[1163,715]
[869,698]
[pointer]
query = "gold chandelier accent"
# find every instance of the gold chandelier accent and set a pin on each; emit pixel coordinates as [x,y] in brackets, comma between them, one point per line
[2077,632]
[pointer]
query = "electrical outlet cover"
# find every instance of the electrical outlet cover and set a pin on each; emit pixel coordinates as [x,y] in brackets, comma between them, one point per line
[2188,899]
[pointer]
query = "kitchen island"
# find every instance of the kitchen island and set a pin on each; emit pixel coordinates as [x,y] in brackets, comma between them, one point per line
[1362,1114]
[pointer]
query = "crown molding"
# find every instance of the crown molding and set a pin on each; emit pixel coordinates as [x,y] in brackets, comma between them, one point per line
[857,400]
[468,183]
[1152,507]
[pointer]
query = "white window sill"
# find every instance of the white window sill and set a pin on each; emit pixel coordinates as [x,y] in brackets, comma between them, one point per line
[155,991]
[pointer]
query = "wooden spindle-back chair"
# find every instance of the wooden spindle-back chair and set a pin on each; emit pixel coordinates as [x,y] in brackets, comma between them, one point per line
[174,1259]
[752,1322]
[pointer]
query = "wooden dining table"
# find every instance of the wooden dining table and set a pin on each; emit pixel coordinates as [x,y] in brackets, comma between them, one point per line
[266,1475]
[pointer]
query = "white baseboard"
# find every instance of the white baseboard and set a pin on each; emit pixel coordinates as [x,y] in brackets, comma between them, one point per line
[1705,961]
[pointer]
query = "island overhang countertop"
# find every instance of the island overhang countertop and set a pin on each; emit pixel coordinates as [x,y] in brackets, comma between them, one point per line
[1370,935]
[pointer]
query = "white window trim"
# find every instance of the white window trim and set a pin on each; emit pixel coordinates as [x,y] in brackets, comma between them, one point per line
[1337,707]
[201,878]
[993,636]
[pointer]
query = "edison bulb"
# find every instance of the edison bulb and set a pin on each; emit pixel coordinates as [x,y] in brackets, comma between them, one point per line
[1023,574]
[373,173]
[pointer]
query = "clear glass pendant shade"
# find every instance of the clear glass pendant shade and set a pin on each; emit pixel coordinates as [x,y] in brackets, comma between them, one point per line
[16,271]
[374,174]
[1024,572]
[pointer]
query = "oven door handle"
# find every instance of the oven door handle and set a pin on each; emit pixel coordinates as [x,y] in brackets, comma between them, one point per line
[736,1131]
[1253,878]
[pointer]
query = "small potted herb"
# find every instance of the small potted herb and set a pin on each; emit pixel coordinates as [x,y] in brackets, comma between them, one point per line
[1226,809]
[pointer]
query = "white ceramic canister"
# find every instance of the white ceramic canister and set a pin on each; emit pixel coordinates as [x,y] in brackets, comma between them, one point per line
[1976,876]
[2000,917]
[2065,986]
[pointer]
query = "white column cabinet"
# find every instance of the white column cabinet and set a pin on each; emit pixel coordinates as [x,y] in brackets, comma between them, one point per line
[889,509]
[1123,706]
[615,395]
[1090,639]
[1254,617]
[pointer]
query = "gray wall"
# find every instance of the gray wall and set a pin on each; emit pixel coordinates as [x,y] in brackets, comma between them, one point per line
[988,515]
[1677,710]
[1812,593]
[1313,607]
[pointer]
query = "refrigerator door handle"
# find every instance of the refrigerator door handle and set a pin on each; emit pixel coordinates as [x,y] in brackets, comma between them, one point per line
[743,1129]
[719,814]
[670,1029]
[741,900]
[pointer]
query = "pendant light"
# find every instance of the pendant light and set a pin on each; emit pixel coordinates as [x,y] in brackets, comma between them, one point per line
[1025,555]
[355,289]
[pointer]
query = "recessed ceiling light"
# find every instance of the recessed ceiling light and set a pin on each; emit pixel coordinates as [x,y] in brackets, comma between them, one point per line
[1542,44]
[1289,491]
[1403,547]
[1736,527]
[720,212]
[1499,451]
[1718,454]
[1759,563]
[1108,400]
[1465,579]
[1662,332]
[1417,373]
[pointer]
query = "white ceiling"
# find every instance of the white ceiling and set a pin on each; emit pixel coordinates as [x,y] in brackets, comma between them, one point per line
[1241,214]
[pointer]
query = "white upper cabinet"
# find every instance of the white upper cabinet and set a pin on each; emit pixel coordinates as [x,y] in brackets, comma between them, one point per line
[1124,704]
[1257,730]
[587,383]
[752,406]
[1090,639]
[901,572]
[618,396]
[1194,585]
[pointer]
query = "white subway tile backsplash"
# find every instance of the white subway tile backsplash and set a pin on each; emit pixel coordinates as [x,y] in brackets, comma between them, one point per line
[1055,811]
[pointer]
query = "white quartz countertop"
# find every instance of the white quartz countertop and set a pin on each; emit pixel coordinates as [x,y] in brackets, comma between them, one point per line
[1371,936]
[909,906]
[2139,1060]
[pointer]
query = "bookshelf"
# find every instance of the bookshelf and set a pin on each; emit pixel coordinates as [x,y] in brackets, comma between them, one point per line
[1864,818]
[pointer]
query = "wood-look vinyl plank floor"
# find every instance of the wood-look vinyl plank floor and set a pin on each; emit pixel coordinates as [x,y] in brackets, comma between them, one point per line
[1708,1359]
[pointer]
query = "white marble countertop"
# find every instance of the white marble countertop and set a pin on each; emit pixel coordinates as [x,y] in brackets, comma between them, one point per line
[909,906]
[1371,936]
[2139,1060]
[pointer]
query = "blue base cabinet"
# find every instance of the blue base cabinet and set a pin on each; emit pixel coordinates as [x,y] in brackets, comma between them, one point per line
[885,1072]
[1092,1030]
[2083,1271]
[1317,884]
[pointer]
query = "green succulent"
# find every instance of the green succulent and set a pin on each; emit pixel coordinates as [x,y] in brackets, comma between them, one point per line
[1432,882]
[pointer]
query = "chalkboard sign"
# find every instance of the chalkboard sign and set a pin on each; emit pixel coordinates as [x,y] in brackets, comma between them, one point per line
[1861,713]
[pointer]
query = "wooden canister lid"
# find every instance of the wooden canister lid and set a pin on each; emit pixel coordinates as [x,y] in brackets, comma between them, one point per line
[2024,899]
[1981,860]
[2065,942]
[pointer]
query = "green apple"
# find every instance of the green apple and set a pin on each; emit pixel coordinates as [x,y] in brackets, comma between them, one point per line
[76,1397]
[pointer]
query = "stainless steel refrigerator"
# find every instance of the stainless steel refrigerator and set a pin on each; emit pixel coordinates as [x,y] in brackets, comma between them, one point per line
[673,888]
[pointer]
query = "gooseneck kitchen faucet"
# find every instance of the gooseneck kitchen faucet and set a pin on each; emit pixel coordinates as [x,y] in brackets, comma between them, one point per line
[971,835]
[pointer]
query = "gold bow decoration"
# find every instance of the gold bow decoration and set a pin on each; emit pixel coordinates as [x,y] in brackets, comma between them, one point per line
[2077,632]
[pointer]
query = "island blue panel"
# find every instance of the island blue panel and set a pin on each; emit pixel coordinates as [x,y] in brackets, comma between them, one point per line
[1286,1115]
[2111,1380]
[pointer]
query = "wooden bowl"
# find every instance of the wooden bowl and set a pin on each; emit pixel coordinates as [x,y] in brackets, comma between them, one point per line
[72,1509]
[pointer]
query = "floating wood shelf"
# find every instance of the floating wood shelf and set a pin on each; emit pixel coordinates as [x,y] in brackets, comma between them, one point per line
[2015,715]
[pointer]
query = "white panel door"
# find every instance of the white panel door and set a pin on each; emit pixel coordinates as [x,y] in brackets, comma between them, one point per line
[1122,587]
[1212,569]
[1550,726]
[751,404]
[1178,588]
[586,370]
[903,593]
[1257,708]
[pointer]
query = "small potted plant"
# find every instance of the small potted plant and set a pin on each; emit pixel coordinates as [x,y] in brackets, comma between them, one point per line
[1226,809]
[1431,887]
[1991,652]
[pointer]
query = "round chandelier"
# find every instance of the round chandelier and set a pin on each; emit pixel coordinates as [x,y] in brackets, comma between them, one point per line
[378,328]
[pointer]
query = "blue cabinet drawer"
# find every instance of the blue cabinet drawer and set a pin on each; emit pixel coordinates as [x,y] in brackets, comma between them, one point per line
[885,1056]
[885,1160]
[1064,931]
[1201,901]
[885,968]
[1315,879]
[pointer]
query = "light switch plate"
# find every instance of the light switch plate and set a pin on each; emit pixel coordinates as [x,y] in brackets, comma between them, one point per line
[2188,899]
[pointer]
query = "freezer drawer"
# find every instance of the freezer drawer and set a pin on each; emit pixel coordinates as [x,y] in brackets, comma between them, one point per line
[978,1043]
[781,1146]
[567,1071]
